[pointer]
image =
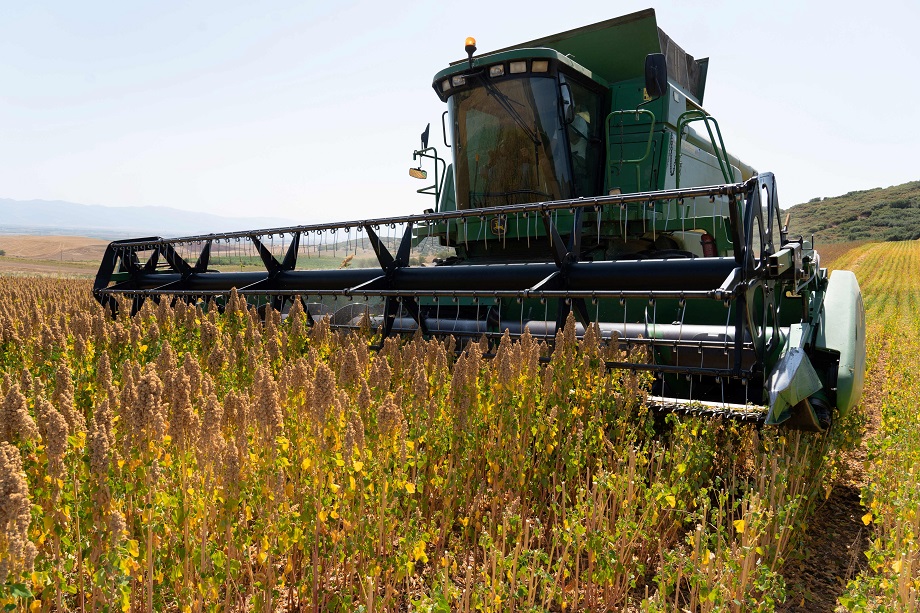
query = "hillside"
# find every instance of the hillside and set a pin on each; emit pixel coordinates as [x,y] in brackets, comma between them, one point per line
[881,214]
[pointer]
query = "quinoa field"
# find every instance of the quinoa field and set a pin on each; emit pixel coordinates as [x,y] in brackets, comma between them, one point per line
[190,460]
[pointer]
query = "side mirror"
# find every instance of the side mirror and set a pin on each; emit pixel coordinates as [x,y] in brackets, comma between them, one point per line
[656,75]
[418,173]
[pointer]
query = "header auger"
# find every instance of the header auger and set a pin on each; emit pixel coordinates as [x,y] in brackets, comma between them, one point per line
[577,187]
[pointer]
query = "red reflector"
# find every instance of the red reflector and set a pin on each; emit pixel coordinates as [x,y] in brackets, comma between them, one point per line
[709,245]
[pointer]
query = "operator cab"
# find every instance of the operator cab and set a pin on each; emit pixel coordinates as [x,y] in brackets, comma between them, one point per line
[526,126]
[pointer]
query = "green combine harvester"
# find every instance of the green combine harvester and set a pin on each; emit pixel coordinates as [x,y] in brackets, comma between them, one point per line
[585,179]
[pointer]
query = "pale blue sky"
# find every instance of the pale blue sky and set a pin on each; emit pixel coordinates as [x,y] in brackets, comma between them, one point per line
[311,111]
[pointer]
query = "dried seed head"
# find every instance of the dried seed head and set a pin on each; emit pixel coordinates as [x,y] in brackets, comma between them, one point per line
[360,345]
[381,374]
[118,527]
[591,344]
[18,553]
[104,371]
[392,353]
[357,426]
[217,358]
[191,368]
[272,344]
[324,392]
[211,444]
[208,386]
[230,464]
[297,319]
[209,335]
[436,358]
[419,380]
[348,371]
[321,334]
[63,399]
[53,429]
[300,375]
[166,361]
[26,383]
[267,409]
[15,421]
[390,417]
[183,421]
[164,313]
[236,413]
[100,448]
[149,403]
[549,381]
[364,396]
[505,363]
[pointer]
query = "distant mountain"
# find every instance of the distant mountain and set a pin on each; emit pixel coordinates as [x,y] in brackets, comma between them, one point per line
[880,214]
[68,218]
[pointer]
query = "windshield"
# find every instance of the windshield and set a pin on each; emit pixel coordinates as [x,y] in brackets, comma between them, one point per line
[509,143]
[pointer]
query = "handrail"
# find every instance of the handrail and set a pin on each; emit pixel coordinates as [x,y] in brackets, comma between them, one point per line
[721,153]
[648,144]
[438,184]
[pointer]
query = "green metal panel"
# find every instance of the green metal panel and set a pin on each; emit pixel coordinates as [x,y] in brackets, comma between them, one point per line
[614,49]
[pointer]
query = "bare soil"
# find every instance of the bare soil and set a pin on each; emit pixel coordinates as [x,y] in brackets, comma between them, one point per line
[51,255]
[836,538]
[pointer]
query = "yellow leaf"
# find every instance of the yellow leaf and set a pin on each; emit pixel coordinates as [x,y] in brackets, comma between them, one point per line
[133,548]
[867,518]
[671,500]
[410,487]
[339,462]
[334,487]
[418,552]
[248,511]
[143,348]
[36,605]
[681,468]
[358,466]
[739,525]
[351,482]
[262,556]
[305,464]
[465,521]
[896,566]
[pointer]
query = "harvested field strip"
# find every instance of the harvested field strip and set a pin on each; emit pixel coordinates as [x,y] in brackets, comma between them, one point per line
[891,495]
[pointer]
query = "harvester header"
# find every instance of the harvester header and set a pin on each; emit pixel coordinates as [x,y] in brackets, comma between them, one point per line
[576,186]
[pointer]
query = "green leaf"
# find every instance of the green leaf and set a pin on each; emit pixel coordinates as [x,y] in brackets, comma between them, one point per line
[19,590]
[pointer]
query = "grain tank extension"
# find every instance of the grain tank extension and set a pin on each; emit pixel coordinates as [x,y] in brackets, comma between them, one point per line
[584,178]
